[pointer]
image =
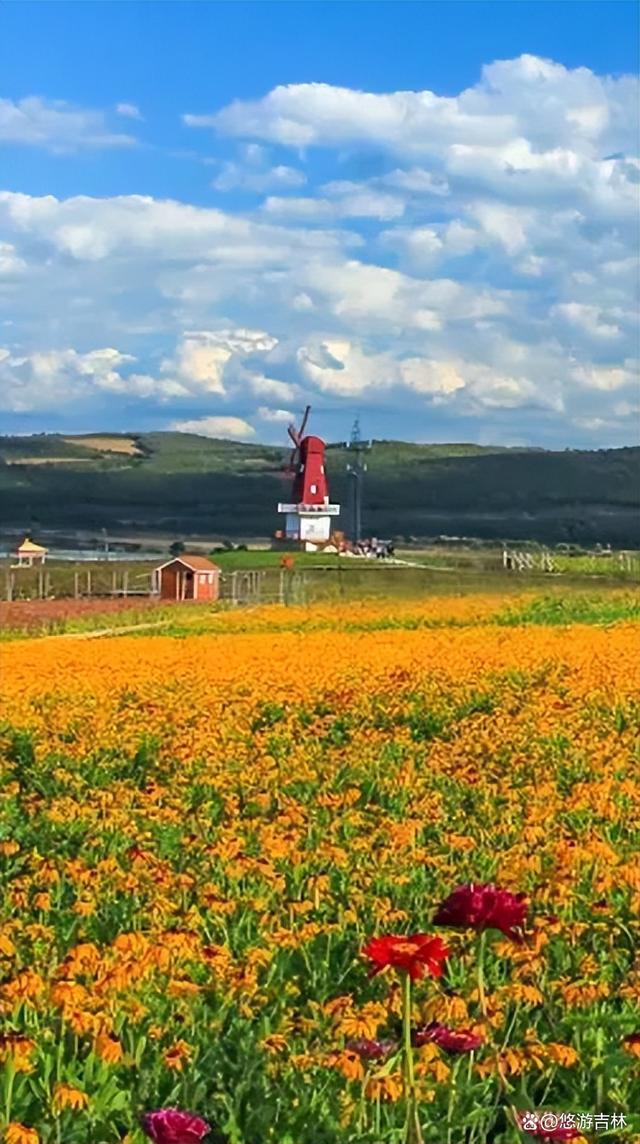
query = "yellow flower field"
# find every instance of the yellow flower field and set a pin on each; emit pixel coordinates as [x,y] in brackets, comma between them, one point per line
[199,832]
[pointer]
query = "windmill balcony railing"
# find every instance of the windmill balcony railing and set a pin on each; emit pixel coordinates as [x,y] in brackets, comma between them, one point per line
[311,509]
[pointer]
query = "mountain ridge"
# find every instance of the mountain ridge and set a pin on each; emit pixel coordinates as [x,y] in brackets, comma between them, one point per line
[187,483]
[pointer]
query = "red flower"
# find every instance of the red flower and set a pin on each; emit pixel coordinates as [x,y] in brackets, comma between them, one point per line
[482,907]
[451,1040]
[412,954]
[171,1126]
[370,1050]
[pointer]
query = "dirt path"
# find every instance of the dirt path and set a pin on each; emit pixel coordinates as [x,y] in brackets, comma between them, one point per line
[117,631]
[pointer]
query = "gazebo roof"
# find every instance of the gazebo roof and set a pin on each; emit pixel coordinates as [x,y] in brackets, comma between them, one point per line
[29,546]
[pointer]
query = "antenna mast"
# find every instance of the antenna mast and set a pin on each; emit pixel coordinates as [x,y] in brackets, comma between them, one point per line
[356,468]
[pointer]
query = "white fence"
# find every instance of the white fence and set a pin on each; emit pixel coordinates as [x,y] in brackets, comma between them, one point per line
[522,561]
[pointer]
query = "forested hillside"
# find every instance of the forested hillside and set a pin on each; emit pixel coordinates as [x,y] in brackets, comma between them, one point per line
[193,485]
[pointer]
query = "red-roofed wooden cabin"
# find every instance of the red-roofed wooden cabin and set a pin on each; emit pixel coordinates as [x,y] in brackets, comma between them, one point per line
[187,578]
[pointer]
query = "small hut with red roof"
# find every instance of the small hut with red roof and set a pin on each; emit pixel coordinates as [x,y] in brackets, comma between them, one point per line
[187,577]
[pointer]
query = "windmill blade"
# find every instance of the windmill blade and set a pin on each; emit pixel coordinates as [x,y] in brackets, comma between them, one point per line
[294,435]
[304,421]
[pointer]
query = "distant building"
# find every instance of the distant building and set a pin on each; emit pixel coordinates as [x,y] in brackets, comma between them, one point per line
[308,516]
[28,554]
[187,578]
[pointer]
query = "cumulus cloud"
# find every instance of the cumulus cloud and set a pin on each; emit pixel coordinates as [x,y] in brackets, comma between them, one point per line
[527,97]
[128,111]
[345,369]
[93,229]
[56,126]
[278,416]
[235,177]
[201,357]
[232,428]
[47,379]
[269,387]
[487,268]
[592,320]
[345,200]
[10,261]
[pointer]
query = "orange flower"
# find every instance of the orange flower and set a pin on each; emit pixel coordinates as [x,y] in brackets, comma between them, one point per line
[65,1096]
[274,1043]
[16,1133]
[18,1049]
[177,1055]
[384,1087]
[7,948]
[108,1048]
[348,1063]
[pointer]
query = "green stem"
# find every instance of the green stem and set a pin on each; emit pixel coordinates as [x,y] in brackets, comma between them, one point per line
[413,1134]
[600,1073]
[8,1092]
[482,997]
[452,1100]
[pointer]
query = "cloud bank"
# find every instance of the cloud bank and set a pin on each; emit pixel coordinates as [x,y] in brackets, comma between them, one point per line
[483,273]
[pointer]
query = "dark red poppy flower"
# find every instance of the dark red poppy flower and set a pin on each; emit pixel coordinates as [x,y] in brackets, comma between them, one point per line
[414,954]
[451,1040]
[632,1043]
[171,1126]
[371,1050]
[481,907]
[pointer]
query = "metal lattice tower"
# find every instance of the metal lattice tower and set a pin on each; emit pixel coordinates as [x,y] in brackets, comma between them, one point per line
[356,468]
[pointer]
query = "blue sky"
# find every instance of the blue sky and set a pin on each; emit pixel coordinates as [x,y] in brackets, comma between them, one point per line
[424,214]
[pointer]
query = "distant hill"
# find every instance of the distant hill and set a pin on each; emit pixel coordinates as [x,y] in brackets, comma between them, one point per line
[184,484]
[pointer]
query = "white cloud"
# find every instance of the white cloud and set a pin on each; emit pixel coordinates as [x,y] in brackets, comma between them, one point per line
[200,364]
[56,126]
[524,97]
[340,367]
[201,357]
[47,380]
[416,181]
[592,320]
[269,387]
[128,111]
[235,177]
[10,262]
[354,202]
[607,378]
[231,428]
[90,229]
[487,270]
[279,416]
[344,369]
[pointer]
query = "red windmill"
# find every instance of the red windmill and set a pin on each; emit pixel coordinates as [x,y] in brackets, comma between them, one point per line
[308,516]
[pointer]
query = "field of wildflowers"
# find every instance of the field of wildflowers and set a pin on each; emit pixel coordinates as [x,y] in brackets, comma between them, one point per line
[360,875]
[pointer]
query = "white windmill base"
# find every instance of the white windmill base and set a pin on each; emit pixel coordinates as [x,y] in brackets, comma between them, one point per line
[309,524]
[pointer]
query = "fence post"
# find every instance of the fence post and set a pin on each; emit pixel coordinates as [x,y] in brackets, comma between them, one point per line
[10,585]
[47,584]
[88,581]
[125,584]
[40,584]
[76,585]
